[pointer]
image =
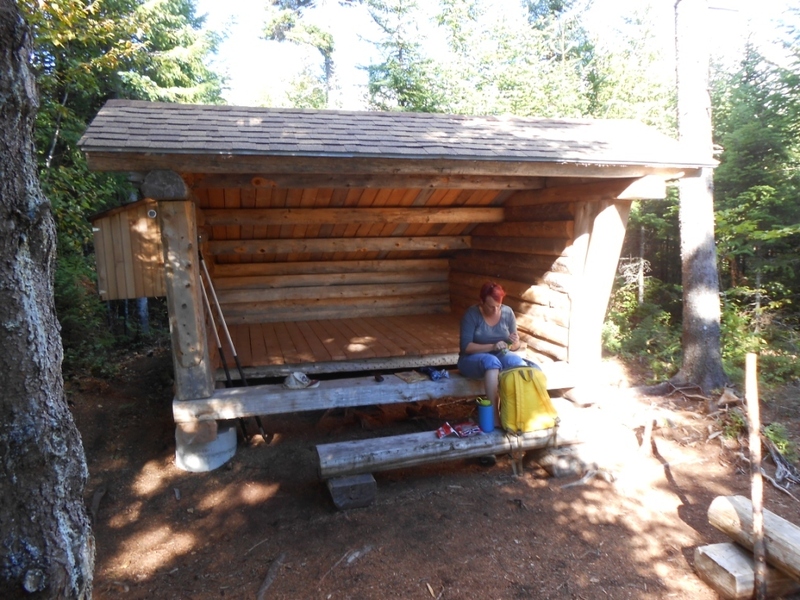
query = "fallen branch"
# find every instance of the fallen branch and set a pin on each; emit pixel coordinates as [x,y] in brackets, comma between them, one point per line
[271,575]
[778,486]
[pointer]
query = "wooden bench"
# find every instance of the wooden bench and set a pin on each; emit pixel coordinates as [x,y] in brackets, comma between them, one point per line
[348,466]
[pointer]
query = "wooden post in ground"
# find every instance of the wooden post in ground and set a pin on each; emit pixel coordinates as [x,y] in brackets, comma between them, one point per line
[756,482]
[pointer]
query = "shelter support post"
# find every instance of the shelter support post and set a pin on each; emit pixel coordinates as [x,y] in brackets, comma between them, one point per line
[193,373]
[600,230]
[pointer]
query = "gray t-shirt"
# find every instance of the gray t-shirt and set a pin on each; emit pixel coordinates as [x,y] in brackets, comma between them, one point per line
[475,329]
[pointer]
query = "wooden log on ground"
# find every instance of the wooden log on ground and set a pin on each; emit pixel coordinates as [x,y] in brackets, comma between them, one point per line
[414,449]
[729,569]
[733,515]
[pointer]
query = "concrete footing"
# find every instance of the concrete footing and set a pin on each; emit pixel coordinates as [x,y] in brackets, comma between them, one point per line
[198,456]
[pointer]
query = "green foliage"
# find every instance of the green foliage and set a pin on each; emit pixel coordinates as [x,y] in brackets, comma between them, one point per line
[734,424]
[83,54]
[405,79]
[778,435]
[647,331]
[85,335]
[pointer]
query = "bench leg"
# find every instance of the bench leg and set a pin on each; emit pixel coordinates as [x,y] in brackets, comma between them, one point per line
[354,491]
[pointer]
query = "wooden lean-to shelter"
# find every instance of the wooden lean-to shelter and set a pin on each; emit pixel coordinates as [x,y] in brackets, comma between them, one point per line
[351,242]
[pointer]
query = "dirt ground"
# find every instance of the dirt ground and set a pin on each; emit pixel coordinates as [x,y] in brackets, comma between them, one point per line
[454,530]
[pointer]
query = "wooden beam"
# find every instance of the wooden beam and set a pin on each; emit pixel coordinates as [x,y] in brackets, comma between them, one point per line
[733,516]
[330,245]
[729,570]
[335,308]
[372,291]
[328,279]
[310,216]
[589,192]
[327,267]
[193,372]
[231,403]
[344,167]
[536,294]
[389,181]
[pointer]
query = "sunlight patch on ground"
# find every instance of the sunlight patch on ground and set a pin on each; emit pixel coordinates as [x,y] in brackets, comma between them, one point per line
[162,546]
[149,479]
[256,493]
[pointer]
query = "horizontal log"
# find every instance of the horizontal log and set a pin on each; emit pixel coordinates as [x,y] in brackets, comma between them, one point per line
[533,312]
[432,181]
[308,310]
[536,294]
[587,192]
[538,345]
[484,262]
[521,245]
[232,403]
[330,245]
[628,188]
[539,313]
[227,297]
[261,217]
[730,570]
[414,449]
[546,330]
[535,229]
[264,269]
[559,211]
[328,279]
[733,516]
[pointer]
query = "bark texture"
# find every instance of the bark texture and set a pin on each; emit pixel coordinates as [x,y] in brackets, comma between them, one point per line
[46,544]
[702,357]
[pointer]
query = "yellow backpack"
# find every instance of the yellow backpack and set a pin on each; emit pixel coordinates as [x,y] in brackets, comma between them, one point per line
[524,402]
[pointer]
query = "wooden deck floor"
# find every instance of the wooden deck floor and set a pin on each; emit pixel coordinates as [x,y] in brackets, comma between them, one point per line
[343,345]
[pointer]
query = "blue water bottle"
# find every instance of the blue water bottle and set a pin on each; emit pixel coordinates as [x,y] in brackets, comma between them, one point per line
[485,415]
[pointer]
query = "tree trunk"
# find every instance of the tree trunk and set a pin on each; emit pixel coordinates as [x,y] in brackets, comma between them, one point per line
[46,544]
[702,359]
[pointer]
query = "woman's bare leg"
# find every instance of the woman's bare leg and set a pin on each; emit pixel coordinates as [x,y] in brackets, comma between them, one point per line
[490,379]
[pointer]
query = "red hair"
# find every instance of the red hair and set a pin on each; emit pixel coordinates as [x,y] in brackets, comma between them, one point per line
[495,290]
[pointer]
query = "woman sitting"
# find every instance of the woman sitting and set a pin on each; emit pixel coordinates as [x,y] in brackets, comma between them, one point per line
[488,335]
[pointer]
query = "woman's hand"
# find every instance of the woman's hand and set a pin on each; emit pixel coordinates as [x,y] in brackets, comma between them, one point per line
[499,346]
[514,339]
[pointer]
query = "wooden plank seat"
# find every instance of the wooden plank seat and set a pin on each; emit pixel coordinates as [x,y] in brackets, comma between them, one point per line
[275,349]
[232,403]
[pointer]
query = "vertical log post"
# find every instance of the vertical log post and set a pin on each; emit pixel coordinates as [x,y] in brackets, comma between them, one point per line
[589,308]
[756,482]
[193,373]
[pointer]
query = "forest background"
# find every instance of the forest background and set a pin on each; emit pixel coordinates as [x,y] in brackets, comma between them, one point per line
[533,58]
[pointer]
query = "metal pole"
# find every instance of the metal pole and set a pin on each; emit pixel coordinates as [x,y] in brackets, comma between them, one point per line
[229,339]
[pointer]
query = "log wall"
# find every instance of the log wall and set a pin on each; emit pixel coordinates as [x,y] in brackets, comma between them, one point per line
[528,254]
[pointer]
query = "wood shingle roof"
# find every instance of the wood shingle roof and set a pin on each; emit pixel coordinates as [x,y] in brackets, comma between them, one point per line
[138,127]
